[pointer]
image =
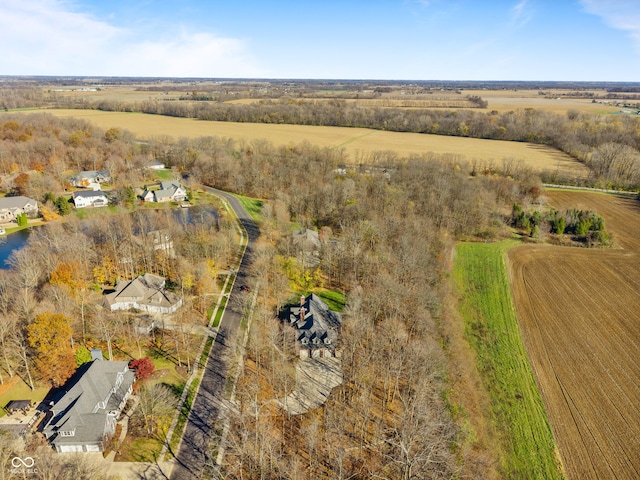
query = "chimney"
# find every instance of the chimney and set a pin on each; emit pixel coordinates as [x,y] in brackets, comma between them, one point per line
[303,312]
[96,354]
[302,299]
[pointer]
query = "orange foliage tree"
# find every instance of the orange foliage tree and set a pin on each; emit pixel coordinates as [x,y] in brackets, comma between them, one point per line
[50,338]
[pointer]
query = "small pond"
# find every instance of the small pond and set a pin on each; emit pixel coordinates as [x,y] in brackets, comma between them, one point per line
[11,242]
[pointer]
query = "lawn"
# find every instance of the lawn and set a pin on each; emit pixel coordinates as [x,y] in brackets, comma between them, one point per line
[336,301]
[253,206]
[491,326]
[15,389]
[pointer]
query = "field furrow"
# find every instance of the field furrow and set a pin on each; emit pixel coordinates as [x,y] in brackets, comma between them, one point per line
[578,311]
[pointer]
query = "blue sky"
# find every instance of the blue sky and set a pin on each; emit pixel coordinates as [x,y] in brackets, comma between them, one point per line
[570,40]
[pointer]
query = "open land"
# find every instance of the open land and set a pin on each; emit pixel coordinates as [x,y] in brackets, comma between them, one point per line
[358,142]
[527,447]
[578,314]
[407,97]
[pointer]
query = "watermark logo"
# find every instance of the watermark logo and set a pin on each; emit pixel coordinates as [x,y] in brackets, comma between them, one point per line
[23,465]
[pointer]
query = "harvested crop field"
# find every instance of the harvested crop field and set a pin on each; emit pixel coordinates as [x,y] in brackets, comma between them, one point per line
[356,141]
[578,315]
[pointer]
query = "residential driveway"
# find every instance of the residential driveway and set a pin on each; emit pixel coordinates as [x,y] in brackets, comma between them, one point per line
[193,455]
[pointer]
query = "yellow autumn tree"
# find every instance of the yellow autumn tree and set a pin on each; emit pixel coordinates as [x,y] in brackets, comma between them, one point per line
[50,338]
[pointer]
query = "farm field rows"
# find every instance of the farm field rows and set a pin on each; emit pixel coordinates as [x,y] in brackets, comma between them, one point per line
[578,315]
[356,141]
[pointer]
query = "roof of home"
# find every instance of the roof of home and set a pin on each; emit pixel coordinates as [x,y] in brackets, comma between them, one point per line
[16,202]
[92,174]
[90,396]
[89,194]
[315,322]
[147,289]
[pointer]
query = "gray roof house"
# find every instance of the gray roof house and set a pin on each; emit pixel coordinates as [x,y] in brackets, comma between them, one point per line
[90,179]
[90,198]
[317,327]
[307,244]
[11,207]
[164,192]
[86,414]
[146,293]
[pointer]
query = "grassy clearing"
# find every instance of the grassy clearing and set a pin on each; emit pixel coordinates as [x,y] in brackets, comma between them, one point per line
[336,301]
[253,206]
[16,389]
[492,328]
[163,175]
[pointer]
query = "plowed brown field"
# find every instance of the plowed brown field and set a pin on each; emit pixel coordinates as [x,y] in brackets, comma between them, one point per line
[579,314]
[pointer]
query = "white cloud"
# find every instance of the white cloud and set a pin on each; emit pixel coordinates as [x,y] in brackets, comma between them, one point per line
[47,37]
[619,14]
[521,13]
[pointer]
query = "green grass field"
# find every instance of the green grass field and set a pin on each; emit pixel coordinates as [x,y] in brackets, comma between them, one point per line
[491,326]
[253,206]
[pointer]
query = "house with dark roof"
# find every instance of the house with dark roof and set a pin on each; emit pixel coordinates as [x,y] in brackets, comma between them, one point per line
[11,207]
[146,292]
[90,198]
[317,328]
[85,416]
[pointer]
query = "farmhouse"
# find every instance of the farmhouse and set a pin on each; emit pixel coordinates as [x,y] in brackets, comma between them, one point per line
[317,328]
[90,198]
[170,191]
[146,293]
[11,207]
[85,417]
[90,179]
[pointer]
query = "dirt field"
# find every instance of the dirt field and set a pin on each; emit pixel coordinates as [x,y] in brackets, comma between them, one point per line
[555,101]
[578,313]
[356,141]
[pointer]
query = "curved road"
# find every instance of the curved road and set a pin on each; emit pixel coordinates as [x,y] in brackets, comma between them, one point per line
[193,454]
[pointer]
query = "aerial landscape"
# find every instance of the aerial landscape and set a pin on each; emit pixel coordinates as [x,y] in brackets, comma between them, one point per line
[319,240]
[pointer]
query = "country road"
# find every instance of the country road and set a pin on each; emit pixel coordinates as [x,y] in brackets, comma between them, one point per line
[193,454]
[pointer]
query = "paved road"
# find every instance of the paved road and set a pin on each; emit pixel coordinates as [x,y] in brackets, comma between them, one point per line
[193,454]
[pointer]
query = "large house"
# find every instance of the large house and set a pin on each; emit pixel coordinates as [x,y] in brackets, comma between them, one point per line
[90,198]
[90,179]
[169,191]
[317,328]
[84,418]
[146,293]
[11,207]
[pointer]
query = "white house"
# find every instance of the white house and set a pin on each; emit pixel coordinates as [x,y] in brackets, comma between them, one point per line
[11,207]
[90,198]
[85,416]
[170,191]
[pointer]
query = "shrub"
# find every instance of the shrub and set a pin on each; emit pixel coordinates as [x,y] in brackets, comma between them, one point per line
[143,367]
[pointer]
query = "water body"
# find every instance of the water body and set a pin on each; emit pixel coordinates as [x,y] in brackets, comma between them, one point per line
[11,242]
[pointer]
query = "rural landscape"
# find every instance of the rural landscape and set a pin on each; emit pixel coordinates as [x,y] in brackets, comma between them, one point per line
[320,279]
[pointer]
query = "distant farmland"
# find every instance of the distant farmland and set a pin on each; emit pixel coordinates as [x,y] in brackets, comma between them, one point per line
[578,314]
[359,143]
